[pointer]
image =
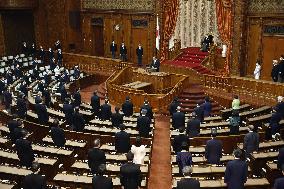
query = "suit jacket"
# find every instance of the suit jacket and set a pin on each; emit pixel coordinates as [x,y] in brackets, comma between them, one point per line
[113,47]
[139,52]
[275,72]
[280,108]
[213,151]
[178,140]
[68,110]
[58,137]
[193,127]
[95,103]
[77,99]
[130,176]
[186,183]
[42,113]
[183,159]
[2,86]
[143,126]
[63,93]
[116,119]
[34,181]
[96,157]
[251,142]
[12,125]
[127,108]
[281,68]
[279,183]
[207,108]
[178,120]
[280,161]
[123,50]
[122,142]
[173,107]
[25,152]
[21,107]
[47,98]
[102,182]
[199,111]
[105,112]
[149,110]
[236,174]
[7,98]
[156,65]
[78,122]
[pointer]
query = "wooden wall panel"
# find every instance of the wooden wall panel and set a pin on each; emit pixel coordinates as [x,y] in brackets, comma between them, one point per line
[2,40]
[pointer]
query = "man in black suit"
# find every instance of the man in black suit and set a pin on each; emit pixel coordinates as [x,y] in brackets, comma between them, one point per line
[279,108]
[193,126]
[184,157]
[280,161]
[96,157]
[275,71]
[179,140]
[139,53]
[123,52]
[173,106]
[2,87]
[236,172]
[68,110]
[105,111]
[251,141]
[147,107]
[51,59]
[213,149]
[41,54]
[100,181]
[122,140]
[59,57]
[57,135]
[78,121]
[22,106]
[155,64]
[47,97]
[24,151]
[77,98]
[281,69]
[143,124]
[279,183]
[42,113]
[12,125]
[130,173]
[113,49]
[178,119]
[7,95]
[188,182]
[199,111]
[63,92]
[95,103]
[34,180]
[127,107]
[116,118]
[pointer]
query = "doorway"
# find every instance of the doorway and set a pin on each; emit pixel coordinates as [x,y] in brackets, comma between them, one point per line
[98,41]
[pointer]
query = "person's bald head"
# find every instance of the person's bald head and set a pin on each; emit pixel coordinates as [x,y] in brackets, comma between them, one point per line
[97,143]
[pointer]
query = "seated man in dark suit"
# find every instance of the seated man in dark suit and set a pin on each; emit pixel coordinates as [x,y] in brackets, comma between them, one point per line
[95,103]
[279,108]
[106,111]
[127,107]
[188,182]
[280,161]
[78,121]
[213,149]
[24,151]
[184,158]
[144,124]
[193,126]
[173,106]
[279,183]
[236,172]
[155,64]
[122,140]
[34,180]
[147,107]
[116,118]
[179,140]
[96,157]
[130,173]
[251,141]
[68,110]
[57,135]
[42,113]
[100,181]
[178,119]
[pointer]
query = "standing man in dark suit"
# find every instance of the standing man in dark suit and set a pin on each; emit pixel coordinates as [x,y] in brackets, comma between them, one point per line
[130,173]
[279,183]
[123,52]
[188,182]
[105,111]
[116,118]
[77,98]
[213,149]
[184,157]
[7,95]
[47,97]
[113,49]
[41,54]
[2,87]
[42,113]
[178,119]
[59,57]
[173,106]
[193,126]
[63,92]
[95,103]
[127,107]
[78,121]
[24,151]
[280,161]
[143,124]
[100,181]
[122,140]
[34,180]
[236,172]
[251,141]
[57,135]
[139,53]
[207,106]
[281,69]
[275,71]
[179,140]
[147,107]
[51,58]
[96,157]
[199,111]
[22,106]
[68,110]
[12,125]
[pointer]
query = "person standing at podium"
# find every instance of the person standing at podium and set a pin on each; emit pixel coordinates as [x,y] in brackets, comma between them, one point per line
[139,53]
[113,49]
[123,52]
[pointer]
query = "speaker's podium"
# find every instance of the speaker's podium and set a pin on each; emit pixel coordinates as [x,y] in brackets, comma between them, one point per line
[159,88]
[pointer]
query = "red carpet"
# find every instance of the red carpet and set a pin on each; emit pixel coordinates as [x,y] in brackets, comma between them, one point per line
[191,57]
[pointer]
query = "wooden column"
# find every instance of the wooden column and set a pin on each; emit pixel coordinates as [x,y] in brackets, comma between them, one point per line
[2,41]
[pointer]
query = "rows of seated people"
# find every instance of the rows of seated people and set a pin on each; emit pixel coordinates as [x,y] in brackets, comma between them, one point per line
[45,112]
[205,159]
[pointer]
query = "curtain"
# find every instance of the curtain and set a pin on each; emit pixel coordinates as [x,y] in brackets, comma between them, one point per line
[225,21]
[170,17]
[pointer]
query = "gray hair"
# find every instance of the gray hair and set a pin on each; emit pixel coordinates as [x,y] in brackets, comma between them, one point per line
[187,170]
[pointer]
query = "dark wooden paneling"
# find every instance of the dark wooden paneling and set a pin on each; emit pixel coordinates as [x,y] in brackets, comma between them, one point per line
[2,39]
[18,4]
